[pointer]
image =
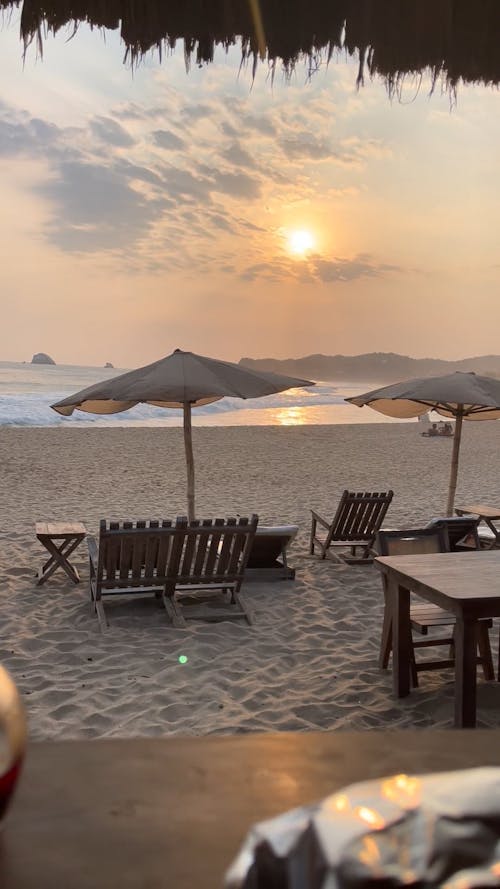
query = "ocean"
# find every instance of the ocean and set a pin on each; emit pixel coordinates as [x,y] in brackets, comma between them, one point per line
[28,390]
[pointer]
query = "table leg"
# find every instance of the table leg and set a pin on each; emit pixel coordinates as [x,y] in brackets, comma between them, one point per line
[399,602]
[465,672]
[59,557]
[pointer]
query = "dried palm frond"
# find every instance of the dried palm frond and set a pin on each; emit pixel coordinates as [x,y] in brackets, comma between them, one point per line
[452,39]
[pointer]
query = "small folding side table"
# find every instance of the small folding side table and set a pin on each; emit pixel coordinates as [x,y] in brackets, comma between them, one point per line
[60,539]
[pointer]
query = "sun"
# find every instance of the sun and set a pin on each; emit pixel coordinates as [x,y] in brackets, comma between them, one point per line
[300,242]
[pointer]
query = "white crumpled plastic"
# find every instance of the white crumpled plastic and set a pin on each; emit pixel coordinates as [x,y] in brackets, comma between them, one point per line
[437,830]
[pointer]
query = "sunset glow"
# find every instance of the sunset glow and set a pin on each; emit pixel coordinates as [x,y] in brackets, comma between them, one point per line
[213,210]
[301,242]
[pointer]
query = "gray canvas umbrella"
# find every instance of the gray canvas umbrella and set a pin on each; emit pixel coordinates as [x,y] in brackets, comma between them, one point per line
[464,396]
[181,380]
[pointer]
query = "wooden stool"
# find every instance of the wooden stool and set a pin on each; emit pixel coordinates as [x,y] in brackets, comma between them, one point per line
[70,534]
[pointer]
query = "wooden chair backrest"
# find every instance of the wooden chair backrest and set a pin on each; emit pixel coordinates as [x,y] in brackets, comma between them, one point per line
[156,554]
[412,542]
[360,515]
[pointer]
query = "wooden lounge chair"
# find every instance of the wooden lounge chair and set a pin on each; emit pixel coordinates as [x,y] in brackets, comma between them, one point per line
[172,561]
[426,616]
[268,556]
[355,524]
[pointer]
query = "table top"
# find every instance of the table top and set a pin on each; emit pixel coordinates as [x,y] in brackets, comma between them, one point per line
[451,580]
[481,509]
[60,529]
[131,814]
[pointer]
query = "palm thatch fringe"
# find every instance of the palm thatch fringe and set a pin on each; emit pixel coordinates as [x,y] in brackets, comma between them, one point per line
[456,40]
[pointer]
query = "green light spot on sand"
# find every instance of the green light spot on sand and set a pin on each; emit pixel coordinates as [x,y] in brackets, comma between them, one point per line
[182,659]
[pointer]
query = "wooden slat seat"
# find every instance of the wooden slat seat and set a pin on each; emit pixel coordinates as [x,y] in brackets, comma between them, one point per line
[355,524]
[173,560]
[433,539]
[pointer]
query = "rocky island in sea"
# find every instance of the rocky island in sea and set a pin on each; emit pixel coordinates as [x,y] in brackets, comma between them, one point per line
[42,358]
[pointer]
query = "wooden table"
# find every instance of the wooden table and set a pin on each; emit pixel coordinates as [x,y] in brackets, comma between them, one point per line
[158,814]
[69,535]
[486,514]
[467,584]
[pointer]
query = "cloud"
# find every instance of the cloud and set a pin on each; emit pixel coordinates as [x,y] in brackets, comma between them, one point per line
[306,146]
[317,269]
[26,137]
[111,132]
[184,186]
[112,184]
[168,140]
[361,266]
[197,112]
[221,222]
[239,156]
[237,185]
[96,208]
[260,124]
[133,171]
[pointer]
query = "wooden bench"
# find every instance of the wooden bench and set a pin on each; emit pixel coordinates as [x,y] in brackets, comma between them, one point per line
[173,560]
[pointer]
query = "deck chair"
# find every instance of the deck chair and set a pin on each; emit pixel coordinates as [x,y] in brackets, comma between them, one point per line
[268,558]
[461,531]
[425,616]
[355,524]
[172,561]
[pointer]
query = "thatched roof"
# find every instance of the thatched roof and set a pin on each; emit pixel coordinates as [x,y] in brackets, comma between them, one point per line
[453,39]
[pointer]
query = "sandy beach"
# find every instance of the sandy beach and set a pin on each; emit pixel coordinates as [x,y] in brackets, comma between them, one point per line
[310,659]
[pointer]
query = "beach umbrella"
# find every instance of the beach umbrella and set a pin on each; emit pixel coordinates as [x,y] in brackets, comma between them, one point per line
[181,380]
[451,39]
[464,396]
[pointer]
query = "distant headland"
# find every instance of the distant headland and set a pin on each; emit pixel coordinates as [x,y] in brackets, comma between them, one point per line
[379,367]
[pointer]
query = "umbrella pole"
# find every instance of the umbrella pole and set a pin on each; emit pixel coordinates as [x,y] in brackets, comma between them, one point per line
[188,446]
[454,461]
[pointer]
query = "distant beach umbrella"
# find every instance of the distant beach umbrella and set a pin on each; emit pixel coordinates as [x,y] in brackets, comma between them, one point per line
[181,380]
[464,396]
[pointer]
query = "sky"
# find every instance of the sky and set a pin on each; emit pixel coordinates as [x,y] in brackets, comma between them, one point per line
[153,209]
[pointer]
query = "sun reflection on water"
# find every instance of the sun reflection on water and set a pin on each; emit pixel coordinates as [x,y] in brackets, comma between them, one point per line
[291,416]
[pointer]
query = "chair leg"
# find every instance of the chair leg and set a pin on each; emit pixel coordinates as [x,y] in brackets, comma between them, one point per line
[483,644]
[413,665]
[313,535]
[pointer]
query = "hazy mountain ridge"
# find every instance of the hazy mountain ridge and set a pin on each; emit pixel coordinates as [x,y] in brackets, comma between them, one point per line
[373,366]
